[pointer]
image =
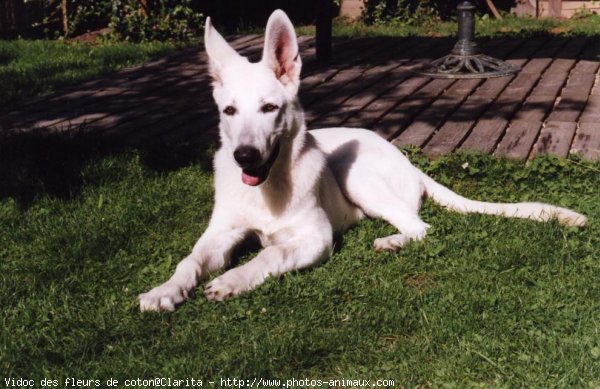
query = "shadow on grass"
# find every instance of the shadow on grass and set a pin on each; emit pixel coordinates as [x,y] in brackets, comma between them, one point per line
[34,163]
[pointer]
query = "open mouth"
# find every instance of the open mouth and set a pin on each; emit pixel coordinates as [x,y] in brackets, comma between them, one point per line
[257,175]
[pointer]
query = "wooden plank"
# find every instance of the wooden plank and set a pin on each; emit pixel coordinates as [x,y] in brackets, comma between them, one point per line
[402,114]
[550,84]
[573,95]
[327,109]
[490,128]
[342,58]
[345,76]
[185,123]
[568,109]
[374,89]
[433,117]
[345,101]
[555,139]
[518,139]
[497,115]
[521,85]
[455,129]
[587,141]
[107,111]
[161,98]
[536,65]
[578,84]
[316,79]
[362,48]
[492,87]
[561,65]
[452,133]
[535,108]
[373,112]
[447,138]
[381,109]
[383,87]
[585,66]
[485,135]
[591,112]
[596,89]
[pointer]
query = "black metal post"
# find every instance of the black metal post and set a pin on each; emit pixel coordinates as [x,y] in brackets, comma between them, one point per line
[466,30]
[323,38]
[465,61]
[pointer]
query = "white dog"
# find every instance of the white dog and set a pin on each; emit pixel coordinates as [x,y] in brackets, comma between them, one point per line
[295,189]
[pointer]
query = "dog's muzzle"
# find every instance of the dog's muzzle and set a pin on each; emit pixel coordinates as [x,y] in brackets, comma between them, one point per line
[248,158]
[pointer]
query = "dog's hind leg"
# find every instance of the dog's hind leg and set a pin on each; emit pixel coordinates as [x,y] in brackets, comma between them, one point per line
[211,252]
[382,193]
[404,218]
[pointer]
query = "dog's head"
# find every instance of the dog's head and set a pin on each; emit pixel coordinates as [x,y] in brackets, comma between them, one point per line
[255,100]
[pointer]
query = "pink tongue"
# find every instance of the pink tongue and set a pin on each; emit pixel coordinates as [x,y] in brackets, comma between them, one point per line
[250,180]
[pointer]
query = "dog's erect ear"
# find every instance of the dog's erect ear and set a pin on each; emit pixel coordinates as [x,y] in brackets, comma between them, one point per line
[218,50]
[281,50]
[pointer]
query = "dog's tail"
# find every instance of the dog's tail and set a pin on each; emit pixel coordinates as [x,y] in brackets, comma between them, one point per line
[536,211]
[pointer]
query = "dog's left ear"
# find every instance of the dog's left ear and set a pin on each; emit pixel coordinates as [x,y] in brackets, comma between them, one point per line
[281,51]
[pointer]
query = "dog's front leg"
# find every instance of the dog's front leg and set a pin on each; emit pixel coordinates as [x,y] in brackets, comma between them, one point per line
[297,253]
[210,253]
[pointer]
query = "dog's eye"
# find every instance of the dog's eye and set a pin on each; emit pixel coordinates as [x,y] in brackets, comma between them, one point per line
[269,108]
[230,110]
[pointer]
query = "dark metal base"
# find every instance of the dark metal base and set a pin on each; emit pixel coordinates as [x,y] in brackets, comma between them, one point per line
[468,66]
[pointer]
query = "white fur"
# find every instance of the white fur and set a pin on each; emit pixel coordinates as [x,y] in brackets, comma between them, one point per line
[321,183]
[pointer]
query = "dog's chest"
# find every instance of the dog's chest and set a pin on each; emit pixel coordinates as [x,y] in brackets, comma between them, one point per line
[268,209]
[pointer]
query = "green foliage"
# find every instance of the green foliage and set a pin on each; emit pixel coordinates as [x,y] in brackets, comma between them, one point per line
[585,25]
[482,301]
[399,12]
[32,67]
[89,15]
[163,20]
[509,26]
[129,20]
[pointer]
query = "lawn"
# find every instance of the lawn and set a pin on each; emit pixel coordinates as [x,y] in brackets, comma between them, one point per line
[481,302]
[485,27]
[32,67]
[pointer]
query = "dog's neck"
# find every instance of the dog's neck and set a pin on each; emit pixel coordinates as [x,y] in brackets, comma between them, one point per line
[295,142]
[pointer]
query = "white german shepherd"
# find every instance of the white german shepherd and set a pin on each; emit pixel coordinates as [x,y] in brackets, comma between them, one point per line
[295,189]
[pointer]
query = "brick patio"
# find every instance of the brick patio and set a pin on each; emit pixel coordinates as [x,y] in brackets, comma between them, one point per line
[551,107]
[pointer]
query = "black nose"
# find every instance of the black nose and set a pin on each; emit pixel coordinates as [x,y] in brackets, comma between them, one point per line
[247,156]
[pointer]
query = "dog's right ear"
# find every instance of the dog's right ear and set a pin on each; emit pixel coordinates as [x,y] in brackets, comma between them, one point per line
[218,50]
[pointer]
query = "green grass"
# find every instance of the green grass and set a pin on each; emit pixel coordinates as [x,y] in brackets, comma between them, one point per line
[32,67]
[481,302]
[485,27]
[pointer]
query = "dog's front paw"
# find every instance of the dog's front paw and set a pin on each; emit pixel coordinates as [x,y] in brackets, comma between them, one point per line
[224,287]
[163,298]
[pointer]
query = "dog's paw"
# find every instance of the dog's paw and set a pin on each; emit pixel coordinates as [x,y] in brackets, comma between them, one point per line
[391,243]
[163,298]
[224,287]
[397,241]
